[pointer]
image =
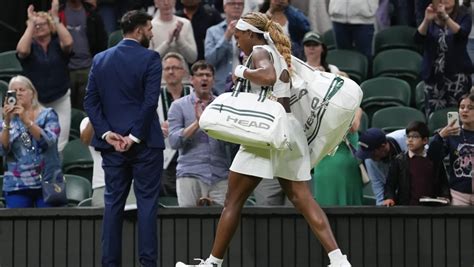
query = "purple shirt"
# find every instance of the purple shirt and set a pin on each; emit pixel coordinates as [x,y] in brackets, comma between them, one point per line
[200,156]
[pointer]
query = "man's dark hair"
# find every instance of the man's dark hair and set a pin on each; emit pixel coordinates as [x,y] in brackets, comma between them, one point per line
[133,19]
[419,127]
[201,65]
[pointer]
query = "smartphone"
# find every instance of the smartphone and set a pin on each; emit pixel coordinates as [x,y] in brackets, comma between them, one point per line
[11,98]
[453,116]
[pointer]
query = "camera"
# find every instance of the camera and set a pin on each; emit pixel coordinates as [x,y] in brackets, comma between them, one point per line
[11,98]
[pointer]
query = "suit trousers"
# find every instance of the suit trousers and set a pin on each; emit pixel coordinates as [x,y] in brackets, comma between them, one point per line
[145,165]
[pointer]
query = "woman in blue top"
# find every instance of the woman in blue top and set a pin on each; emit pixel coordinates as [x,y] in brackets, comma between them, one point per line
[446,65]
[29,134]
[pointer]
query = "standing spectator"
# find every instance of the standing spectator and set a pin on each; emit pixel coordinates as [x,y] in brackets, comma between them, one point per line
[294,23]
[175,70]
[121,100]
[44,51]
[220,48]
[416,173]
[446,65]
[345,188]
[353,24]
[377,150]
[318,16]
[98,176]
[172,33]
[87,30]
[202,16]
[29,145]
[458,143]
[202,163]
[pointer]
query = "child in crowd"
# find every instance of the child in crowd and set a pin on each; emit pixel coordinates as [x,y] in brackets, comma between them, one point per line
[415,173]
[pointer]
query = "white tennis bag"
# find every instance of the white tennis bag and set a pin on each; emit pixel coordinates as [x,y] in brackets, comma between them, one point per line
[324,104]
[247,119]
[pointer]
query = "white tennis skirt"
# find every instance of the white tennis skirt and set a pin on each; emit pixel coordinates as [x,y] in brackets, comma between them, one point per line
[292,164]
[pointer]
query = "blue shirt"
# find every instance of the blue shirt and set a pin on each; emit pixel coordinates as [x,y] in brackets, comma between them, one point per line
[48,71]
[27,158]
[219,52]
[200,156]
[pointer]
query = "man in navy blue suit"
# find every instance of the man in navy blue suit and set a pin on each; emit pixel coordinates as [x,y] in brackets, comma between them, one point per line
[121,100]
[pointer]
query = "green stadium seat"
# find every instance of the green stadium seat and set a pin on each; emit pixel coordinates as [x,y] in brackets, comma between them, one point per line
[9,65]
[167,202]
[85,203]
[352,62]
[364,122]
[78,188]
[3,89]
[114,38]
[329,40]
[399,36]
[76,117]
[395,118]
[77,159]
[381,92]
[420,96]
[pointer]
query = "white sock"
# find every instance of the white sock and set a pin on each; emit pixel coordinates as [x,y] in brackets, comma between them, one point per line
[213,259]
[335,255]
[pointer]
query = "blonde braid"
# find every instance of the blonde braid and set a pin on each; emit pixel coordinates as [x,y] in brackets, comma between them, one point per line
[282,42]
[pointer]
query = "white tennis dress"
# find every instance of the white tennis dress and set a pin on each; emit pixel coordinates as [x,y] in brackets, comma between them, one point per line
[292,164]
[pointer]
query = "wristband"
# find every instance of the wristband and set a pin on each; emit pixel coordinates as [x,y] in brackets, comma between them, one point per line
[445,17]
[5,126]
[56,20]
[239,71]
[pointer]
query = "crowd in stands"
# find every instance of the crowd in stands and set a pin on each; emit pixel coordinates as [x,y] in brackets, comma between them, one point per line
[195,39]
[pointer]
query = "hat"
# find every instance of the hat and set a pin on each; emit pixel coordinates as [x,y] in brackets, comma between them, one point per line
[369,141]
[312,37]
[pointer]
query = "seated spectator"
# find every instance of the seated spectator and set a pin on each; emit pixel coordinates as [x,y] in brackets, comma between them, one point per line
[294,23]
[172,33]
[377,150]
[202,16]
[175,71]
[315,52]
[415,173]
[458,143]
[87,30]
[44,51]
[203,162]
[220,46]
[29,146]
[345,188]
[98,176]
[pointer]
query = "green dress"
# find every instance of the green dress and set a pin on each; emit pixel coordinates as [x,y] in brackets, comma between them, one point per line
[336,179]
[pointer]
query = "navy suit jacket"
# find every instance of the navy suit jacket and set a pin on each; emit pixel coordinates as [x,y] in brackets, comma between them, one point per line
[122,94]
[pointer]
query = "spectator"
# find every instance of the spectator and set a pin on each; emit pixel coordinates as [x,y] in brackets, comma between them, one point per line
[315,52]
[220,48]
[446,65]
[202,16]
[98,176]
[345,188]
[44,51]
[87,30]
[295,24]
[353,24]
[458,143]
[172,33]
[29,146]
[318,16]
[377,150]
[175,70]
[203,163]
[415,173]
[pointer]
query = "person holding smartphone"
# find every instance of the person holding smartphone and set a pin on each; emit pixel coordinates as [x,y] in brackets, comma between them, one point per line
[458,143]
[29,136]
[446,65]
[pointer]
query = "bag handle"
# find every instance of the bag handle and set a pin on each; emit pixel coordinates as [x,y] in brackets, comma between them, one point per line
[241,81]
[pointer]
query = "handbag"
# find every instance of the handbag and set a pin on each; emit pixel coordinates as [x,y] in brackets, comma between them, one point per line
[324,104]
[247,119]
[54,190]
[363,172]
